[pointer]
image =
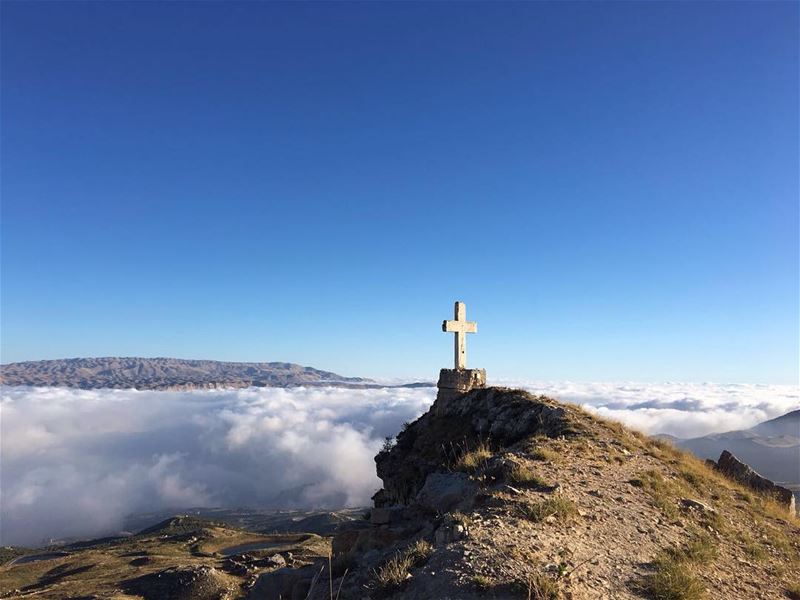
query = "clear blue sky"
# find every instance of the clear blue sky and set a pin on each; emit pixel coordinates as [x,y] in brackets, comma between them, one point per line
[612,188]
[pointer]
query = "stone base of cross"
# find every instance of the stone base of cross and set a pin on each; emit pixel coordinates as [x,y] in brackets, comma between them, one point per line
[460,380]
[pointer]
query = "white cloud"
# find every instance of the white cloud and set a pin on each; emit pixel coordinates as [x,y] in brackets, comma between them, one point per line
[75,462]
[681,409]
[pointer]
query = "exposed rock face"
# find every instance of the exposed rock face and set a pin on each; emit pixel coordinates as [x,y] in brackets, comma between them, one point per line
[446,491]
[497,415]
[732,467]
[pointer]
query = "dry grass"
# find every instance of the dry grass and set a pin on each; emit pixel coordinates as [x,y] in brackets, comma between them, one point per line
[397,569]
[543,455]
[662,492]
[482,582]
[701,550]
[472,460]
[558,506]
[523,475]
[541,587]
[673,579]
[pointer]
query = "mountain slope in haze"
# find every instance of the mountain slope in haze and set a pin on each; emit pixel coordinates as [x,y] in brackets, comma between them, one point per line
[165,373]
[772,448]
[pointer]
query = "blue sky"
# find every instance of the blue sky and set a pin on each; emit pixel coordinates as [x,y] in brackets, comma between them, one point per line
[612,188]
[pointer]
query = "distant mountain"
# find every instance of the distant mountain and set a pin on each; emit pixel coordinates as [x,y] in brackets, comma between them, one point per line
[772,448]
[167,373]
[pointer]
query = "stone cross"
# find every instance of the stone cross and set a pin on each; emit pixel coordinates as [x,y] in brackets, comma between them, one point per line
[461,327]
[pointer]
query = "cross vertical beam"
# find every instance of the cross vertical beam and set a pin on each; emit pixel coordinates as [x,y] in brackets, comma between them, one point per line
[460,327]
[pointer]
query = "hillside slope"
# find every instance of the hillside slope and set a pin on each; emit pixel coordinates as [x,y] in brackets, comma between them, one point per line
[505,495]
[164,373]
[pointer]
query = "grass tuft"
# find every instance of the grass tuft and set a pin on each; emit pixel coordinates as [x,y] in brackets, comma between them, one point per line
[543,455]
[396,570]
[700,551]
[472,460]
[542,587]
[524,475]
[673,579]
[558,506]
[482,582]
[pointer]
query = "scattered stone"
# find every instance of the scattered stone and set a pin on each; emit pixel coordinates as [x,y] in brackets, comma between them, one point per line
[691,504]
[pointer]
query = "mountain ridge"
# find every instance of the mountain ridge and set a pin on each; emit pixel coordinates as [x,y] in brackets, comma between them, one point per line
[772,447]
[163,373]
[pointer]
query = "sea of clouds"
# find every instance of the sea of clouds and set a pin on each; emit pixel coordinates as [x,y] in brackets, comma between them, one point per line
[74,463]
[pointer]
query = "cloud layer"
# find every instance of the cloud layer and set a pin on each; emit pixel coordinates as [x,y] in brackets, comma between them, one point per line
[681,409]
[76,462]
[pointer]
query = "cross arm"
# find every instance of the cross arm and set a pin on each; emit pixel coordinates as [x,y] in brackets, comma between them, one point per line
[460,326]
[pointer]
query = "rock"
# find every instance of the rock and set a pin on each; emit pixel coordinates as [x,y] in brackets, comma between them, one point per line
[276,560]
[732,467]
[284,584]
[691,504]
[451,530]
[501,415]
[180,583]
[385,515]
[346,545]
[443,492]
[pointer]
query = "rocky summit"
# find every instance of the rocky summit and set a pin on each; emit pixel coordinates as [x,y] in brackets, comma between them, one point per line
[492,494]
[500,494]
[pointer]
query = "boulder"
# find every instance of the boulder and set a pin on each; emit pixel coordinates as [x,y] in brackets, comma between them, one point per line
[443,492]
[284,584]
[450,530]
[732,467]
[180,583]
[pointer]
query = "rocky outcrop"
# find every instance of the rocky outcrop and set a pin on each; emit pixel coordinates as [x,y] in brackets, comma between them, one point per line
[497,416]
[180,583]
[732,467]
